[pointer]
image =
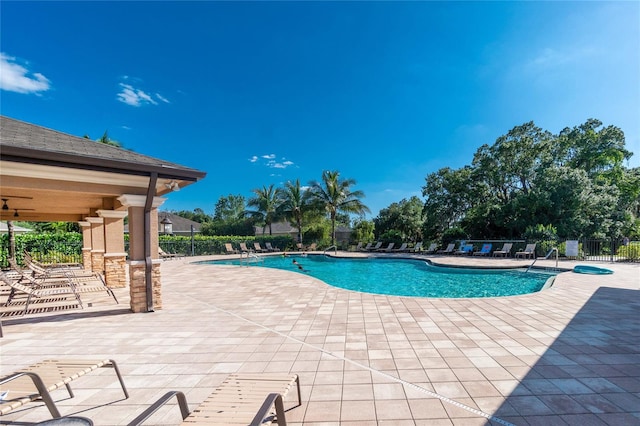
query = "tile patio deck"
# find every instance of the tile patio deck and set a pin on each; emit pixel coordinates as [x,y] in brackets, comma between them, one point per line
[567,355]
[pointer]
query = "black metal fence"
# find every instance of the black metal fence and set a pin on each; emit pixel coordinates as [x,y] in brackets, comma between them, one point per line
[61,251]
[611,250]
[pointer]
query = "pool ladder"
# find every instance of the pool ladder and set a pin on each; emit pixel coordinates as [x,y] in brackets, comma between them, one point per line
[554,249]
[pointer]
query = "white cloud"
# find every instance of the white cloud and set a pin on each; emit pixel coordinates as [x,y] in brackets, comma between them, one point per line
[271,162]
[16,78]
[138,97]
[162,98]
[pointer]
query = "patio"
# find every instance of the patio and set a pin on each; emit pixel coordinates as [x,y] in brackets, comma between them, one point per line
[566,355]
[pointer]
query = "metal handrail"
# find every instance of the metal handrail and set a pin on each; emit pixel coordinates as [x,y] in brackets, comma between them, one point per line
[251,255]
[545,257]
[335,250]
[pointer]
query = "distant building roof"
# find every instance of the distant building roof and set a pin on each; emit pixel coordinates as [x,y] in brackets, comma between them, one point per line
[180,225]
[17,229]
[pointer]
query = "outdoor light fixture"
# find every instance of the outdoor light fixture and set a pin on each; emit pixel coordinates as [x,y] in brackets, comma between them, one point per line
[4,205]
[16,213]
[173,185]
[167,226]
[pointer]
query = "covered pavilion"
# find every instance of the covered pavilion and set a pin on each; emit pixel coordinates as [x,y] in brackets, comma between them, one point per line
[46,175]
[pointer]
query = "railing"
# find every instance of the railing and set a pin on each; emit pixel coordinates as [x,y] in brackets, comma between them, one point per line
[554,249]
[250,255]
[335,250]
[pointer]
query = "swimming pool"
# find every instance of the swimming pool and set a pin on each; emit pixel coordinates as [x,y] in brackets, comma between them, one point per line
[405,277]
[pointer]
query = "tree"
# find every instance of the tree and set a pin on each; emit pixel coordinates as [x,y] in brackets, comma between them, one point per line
[265,202]
[105,139]
[230,208]
[336,196]
[197,215]
[404,217]
[575,182]
[363,231]
[449,195]
[294,205]
[229,218]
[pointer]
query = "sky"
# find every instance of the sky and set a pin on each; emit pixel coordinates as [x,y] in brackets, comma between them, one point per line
[261,93]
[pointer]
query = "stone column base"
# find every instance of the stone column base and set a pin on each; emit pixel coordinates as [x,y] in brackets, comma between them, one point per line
[97,261]
[86,259]
[138,286]
[115,269]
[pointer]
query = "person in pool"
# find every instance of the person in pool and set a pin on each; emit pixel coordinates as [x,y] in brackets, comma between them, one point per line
[295,262]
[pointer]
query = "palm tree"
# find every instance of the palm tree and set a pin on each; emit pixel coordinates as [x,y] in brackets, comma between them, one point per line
[336,196]
[266,202]
[294,204]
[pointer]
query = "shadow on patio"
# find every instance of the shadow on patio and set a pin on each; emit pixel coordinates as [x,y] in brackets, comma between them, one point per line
[591,374]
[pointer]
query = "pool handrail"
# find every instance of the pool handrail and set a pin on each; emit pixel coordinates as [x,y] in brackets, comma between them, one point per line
[335,250]
[545,257]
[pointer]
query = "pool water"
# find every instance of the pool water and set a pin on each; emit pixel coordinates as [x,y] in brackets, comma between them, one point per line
[405,277]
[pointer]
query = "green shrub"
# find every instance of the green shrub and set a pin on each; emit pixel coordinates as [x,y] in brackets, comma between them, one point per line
[630,252]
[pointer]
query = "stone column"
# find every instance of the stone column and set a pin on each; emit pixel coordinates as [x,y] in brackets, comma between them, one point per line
[115,258]
[97,243]
[137,263]
[86,245]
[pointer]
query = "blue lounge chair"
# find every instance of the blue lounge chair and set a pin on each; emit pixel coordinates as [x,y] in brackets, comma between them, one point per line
[485,250]
[465,249]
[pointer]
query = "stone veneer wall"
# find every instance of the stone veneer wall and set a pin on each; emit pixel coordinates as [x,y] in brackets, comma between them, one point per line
[138,286]
[115,271]
[86,259]
[97,261]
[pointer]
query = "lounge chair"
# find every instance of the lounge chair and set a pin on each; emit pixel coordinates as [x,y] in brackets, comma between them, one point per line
[243,248]
[79,280]
[27,286]
[504,251]
[485,250]
[367,247]
[529,251]
[41,271]
[376,247]
[164,255]
[312,247]
[242,399]
[269,247]
[230,249]
[257,247]
[417,248]
[450,248]
[388,248]
[358,247]
[401,249]
[38,380]
[70,265]
[464,249]
[433,247]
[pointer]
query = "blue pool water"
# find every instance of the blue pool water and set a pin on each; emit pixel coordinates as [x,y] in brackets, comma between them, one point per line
[406,277]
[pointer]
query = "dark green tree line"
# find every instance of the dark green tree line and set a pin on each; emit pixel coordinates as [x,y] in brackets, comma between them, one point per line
[575,181]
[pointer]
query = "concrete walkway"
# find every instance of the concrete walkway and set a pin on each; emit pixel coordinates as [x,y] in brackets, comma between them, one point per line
[567,355]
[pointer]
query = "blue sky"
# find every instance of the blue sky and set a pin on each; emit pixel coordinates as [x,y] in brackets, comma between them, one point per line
[256,93]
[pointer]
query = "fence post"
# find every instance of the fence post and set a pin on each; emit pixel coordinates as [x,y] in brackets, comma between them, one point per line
[193,249]
[612,247]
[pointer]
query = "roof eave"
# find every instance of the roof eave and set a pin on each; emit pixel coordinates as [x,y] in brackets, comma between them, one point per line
[51,158]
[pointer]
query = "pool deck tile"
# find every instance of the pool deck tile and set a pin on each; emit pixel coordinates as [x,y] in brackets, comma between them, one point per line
[566,355]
